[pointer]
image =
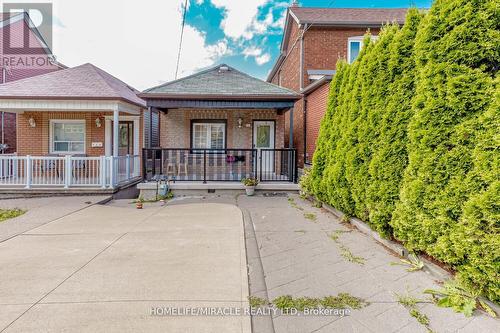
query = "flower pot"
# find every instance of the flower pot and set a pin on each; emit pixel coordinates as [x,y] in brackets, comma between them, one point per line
[138,205]
[250,190]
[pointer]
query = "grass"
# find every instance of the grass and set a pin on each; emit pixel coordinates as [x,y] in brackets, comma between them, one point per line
[344,250]
[410,303]
[6,214]
[292,203]
[310,216]
[413,263]
[256,302]
[341,301]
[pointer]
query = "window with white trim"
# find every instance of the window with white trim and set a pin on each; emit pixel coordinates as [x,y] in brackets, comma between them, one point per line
[67,136]
[354,46]
[208,135]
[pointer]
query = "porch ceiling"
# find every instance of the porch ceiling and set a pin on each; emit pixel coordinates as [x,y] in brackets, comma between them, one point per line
[63,105]
[218,104]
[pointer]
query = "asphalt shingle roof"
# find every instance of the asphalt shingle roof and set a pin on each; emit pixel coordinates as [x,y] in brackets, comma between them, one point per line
[82,82]
[217,82]
[347,16]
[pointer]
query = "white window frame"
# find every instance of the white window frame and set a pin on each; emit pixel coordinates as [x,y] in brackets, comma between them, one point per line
[356,39]
[67,121]
[209,133]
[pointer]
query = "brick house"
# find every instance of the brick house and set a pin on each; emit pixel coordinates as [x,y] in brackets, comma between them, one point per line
[235,120]
[75,127]
[314,39]
[18,31]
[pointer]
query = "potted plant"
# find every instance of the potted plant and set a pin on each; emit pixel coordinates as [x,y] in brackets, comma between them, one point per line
[250,184]
[139,202]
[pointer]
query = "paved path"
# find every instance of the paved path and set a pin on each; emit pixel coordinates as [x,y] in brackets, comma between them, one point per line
[299,258]
[104,268]
[41,211]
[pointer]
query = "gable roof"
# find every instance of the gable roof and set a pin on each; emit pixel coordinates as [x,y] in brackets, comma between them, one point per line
[82,82]
[335,17]
[219,82]
[348,16]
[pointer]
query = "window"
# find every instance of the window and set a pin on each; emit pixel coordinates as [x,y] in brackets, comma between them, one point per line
[67,136]
[354,46]
[208,134]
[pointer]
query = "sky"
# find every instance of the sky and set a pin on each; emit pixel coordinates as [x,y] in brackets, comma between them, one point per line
[137,41]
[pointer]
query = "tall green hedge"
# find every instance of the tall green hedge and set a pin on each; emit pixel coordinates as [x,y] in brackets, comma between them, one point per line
[410,142]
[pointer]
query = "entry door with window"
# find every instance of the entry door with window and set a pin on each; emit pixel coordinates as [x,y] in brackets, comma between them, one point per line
[263,138]
[125,138]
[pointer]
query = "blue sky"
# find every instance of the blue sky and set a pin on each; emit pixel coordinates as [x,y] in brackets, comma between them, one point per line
[255,51]
[138,41]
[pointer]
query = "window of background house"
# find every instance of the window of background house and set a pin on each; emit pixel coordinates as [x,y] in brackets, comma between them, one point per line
[354,48]
[208,135]
[67,137]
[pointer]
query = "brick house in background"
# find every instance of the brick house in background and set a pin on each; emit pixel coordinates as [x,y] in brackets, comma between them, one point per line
[16,28]
[314,39]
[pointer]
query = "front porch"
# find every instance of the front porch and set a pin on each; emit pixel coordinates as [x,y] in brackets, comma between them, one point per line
[68,172]
[219,165]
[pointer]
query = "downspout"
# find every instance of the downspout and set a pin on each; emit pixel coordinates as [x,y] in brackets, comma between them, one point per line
[305,130]
[4,78]
[301,79]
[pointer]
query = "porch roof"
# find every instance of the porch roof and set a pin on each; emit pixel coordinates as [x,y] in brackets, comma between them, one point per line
[86,82]
[221,83]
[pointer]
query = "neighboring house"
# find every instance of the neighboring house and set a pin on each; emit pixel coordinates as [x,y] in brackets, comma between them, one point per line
[82,116]
[20,33]
[220,124]
[314,40]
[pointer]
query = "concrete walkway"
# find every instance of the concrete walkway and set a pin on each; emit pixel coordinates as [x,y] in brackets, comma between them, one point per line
[296,256]
[107,268]
[41,211]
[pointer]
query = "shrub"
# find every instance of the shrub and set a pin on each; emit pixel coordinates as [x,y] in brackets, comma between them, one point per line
[446,198]
[410,139]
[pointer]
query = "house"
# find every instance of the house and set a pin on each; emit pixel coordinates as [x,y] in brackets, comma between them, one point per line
[220,125]
[314,39]
[17,31]
[77,127]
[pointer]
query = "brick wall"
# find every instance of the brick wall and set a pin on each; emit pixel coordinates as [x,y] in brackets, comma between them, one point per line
[22,70]
[36,140]
[323,47]
[316,108]
[175,126]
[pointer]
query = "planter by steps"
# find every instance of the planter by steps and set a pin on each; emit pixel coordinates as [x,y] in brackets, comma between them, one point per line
[250,184]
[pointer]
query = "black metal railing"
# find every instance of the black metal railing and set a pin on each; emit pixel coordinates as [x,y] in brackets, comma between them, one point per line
[184,164]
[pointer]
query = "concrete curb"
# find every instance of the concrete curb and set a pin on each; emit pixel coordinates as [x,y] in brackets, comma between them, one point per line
[429,267]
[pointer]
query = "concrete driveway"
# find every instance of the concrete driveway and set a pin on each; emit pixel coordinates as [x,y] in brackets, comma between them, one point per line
[108,268]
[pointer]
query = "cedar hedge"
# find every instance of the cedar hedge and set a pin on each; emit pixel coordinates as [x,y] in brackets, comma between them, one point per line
[410,141]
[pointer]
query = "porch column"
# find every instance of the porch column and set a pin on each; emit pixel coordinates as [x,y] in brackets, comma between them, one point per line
[115,132]
[290,140]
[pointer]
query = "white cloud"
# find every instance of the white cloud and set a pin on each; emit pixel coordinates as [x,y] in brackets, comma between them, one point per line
[138,47]
[239,16]
[252,51]
[257,53]
[263,59]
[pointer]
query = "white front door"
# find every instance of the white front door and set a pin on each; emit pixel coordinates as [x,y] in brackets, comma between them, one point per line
[263,138]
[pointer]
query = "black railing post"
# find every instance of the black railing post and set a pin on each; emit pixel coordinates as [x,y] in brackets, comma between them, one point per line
[153,165]
[296,167]
[144,161]
[260,171]
[204,166]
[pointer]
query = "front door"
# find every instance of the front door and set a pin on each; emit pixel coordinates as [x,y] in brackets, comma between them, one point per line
[125,138]
[263,138]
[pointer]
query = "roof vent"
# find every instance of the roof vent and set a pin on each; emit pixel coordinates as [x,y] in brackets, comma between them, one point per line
[223,69]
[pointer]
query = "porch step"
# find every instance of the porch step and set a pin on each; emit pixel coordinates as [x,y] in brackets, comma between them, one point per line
[148,190]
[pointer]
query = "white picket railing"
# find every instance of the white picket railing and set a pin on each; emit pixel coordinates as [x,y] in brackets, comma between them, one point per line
[68,171]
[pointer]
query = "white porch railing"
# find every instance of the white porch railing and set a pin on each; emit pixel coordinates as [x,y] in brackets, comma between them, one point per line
[68,171]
